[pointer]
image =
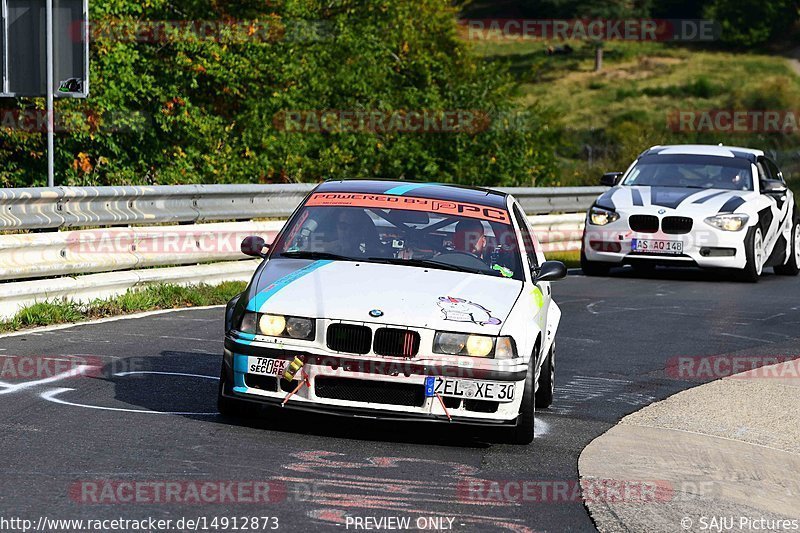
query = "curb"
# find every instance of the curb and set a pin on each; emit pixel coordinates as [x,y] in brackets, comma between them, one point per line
[727,453]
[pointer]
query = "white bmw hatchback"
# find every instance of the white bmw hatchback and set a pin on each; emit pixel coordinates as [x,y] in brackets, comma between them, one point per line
[692,205]
[398,301]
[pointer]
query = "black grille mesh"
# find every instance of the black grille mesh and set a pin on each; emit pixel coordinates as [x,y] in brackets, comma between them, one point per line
[265,383]
[358,390]
[480,406]
[396,342]
[643,223]
[349,338]
[677,225]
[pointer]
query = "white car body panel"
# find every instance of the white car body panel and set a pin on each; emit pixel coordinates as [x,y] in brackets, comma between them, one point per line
[408,296]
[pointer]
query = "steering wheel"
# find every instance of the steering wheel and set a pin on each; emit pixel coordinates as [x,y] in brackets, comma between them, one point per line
[464,259]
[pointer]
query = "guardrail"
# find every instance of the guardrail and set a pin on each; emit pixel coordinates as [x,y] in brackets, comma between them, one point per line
[73,207]
[137,228]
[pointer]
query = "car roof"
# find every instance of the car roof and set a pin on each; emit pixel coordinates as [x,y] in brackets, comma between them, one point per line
[705,149]
[434,191]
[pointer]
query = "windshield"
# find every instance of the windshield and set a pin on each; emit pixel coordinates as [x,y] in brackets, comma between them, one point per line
[417,232]
[693,171]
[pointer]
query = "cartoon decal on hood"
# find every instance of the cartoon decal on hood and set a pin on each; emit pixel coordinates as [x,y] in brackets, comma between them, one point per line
[460,310]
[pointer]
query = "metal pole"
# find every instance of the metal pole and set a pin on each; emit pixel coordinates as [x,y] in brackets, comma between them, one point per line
[50,106]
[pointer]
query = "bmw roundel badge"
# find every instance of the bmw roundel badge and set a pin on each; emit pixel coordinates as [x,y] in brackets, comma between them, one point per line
[662,211]
[376,313]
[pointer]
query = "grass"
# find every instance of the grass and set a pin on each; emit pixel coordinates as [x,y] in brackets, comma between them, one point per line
[607,118]
[151,298]
[571,259]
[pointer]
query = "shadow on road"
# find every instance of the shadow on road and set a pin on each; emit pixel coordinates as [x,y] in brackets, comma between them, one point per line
[193,394]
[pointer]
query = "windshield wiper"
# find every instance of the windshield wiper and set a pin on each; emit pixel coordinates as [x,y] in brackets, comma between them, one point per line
[300,254]
[426,263]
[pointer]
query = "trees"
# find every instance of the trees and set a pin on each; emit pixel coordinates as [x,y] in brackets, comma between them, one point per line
[747,23]
[201,100]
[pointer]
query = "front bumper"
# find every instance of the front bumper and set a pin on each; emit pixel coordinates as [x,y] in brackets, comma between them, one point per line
[704,246]
[394,387]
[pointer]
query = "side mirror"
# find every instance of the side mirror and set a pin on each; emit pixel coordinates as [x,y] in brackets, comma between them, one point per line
[551,271]
[254,246]
[610,179]
[773,187]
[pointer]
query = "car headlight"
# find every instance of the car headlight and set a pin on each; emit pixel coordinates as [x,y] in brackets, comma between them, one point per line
[729,222]
[600,217]
[473,345]
[299,328]
[249,323]
[479,346]
[272,325]
[278,326]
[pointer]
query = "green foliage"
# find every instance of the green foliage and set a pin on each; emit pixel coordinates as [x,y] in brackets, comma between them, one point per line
[700,87]
[189,109]
[748,23]
[147,299]
[770,93]
[44,313]
[557,8]
[743,23]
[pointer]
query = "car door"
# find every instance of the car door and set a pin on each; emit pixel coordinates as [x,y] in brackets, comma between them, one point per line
[772,218]
[539,294]
[785,202]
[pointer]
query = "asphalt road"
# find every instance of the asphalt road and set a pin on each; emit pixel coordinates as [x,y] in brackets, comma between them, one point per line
[66,440]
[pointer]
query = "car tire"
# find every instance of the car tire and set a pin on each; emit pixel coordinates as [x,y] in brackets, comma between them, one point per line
[547,380]
[594,268]
[523,432]
[754,252]
[792,267]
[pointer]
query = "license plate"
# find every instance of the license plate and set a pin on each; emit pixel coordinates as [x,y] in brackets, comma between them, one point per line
[475,390]
[266,367]
[645,246]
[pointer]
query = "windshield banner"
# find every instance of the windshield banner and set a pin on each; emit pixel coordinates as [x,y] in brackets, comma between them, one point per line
[409,203]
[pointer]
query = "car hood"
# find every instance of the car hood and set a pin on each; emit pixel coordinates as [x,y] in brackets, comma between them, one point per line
[688,201]
[406,296]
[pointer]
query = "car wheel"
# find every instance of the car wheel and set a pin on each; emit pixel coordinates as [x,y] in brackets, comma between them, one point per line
[594,268]
[228,406]
[754,252]
[792,268]
[522,433]
[547,381]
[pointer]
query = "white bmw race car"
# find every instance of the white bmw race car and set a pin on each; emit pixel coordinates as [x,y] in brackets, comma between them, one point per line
[396,300]
[705,206]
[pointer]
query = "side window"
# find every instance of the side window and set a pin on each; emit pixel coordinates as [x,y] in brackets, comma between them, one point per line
[527,239]
[763,171]
[774,170]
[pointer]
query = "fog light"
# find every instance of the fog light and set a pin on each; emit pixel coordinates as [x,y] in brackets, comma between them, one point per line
[603,246]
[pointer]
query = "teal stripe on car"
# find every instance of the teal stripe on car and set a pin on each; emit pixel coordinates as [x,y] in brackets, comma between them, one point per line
[261,298]
[240,363]
[244,338]
[402,189]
